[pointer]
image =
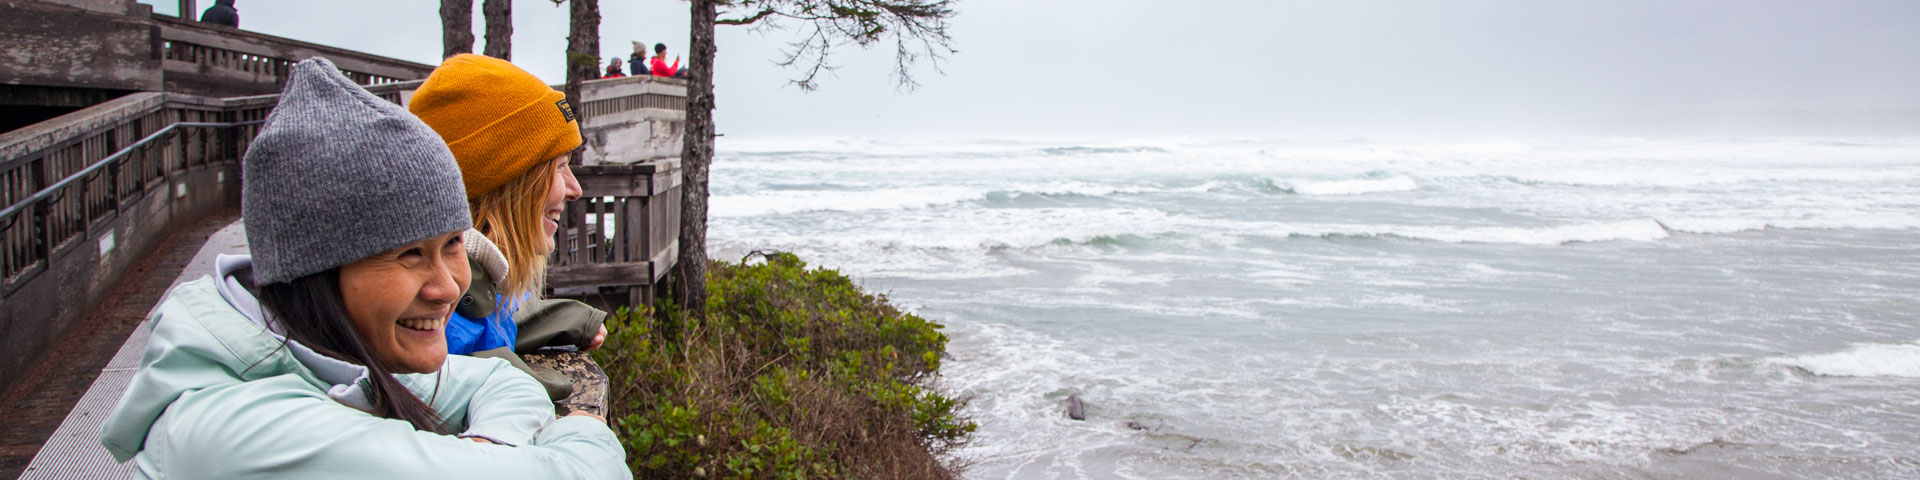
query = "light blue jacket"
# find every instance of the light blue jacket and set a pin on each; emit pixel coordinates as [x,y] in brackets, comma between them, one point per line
[221,395]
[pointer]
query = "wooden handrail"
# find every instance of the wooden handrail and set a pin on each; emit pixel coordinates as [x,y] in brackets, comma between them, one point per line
[62,177]
[174,29]
[88,172]
[223,61]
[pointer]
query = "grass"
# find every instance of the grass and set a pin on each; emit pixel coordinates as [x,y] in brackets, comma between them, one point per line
[793,373]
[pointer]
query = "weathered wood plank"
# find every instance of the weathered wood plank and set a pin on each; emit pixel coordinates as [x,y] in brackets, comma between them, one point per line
[53,45]
[242,41]
[666,181]
[619,185]
[633,226]
[20,145]
[605,274]
[663,261]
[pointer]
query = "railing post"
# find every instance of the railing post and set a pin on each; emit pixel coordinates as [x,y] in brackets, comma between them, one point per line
[189,11]
[43,248]
[86,207]
[113,179]
[226,138]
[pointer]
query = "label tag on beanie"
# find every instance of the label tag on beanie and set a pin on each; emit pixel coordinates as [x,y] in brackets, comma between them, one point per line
[566,110]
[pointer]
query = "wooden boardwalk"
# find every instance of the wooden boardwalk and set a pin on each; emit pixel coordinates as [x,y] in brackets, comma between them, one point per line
[37,404]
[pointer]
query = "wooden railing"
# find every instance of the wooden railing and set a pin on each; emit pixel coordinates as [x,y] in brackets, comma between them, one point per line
[85,195]
[212,60]
[623,232]
[59,178]
[58,181]
[633,120]
[642,99]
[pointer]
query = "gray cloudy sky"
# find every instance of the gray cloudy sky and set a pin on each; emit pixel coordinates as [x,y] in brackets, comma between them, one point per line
[1268,67]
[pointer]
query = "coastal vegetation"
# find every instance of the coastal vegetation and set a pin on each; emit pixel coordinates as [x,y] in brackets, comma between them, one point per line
[789,372]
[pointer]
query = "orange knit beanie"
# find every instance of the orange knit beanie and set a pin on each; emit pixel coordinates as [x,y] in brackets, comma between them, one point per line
[499,120]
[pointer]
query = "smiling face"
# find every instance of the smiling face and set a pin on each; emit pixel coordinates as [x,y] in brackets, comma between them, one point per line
[399,300]
[564,189]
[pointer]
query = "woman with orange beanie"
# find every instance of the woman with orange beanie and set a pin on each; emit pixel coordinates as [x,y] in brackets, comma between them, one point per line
[512,136]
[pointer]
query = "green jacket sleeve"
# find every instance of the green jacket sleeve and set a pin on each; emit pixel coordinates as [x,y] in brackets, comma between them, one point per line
[279,428]
[556,384]
[552,322]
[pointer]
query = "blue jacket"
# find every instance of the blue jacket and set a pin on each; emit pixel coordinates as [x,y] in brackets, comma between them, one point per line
[466,335]
[487,319]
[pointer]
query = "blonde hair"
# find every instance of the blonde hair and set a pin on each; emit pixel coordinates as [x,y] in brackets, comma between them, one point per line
[510,216]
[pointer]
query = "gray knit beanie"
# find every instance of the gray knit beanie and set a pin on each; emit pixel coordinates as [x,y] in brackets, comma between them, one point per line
[337,175]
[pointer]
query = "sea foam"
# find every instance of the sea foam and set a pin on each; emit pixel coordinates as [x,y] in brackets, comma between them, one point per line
[792,201]
[1353,187]
[1626,230]
[1863,360]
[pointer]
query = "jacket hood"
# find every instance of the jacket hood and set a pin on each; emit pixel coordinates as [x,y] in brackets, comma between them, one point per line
[211,332]
[345,380]
[228,3]
[482,251]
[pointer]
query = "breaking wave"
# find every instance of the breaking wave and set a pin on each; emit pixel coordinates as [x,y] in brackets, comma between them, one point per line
[1863,360]
[1629,230]
[1352,187]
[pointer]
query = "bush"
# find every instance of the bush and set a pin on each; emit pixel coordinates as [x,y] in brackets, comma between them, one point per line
[793,373]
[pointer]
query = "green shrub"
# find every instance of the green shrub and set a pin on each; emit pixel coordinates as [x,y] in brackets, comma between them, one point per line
[792,373]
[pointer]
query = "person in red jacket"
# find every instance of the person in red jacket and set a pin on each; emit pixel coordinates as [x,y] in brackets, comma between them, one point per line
[660,67]
[613,69]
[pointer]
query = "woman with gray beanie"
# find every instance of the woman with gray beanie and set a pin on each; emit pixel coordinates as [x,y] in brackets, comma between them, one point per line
[323,354]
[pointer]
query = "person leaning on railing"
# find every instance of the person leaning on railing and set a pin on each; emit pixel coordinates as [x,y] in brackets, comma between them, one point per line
[512,136]
[321,354]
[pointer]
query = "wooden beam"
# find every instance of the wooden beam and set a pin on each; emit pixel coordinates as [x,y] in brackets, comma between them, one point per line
[663,261]
[606,274]
[289,49]
[628,185]
[665,181]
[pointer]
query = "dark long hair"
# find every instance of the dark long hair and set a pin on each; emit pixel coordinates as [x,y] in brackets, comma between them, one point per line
[313,313]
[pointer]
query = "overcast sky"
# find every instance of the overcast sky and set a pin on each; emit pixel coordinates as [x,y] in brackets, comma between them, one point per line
[1264,67]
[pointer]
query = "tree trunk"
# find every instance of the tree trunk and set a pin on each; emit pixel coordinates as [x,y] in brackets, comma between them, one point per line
[696,154]
[499,15]
[456,27]
[583,52]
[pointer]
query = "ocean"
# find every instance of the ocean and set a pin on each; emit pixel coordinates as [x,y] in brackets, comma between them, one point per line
[1268,307]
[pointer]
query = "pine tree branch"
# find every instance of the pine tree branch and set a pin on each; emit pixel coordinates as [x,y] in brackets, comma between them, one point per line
[747,20]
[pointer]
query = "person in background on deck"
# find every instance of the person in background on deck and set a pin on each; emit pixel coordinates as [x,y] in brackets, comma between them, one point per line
[320,355]
[613,69]
[512,136]
[221,13]
[637,61]
[659,67]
